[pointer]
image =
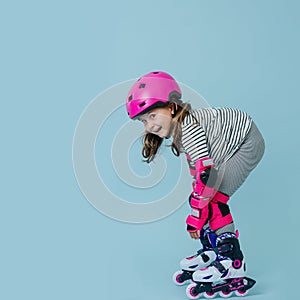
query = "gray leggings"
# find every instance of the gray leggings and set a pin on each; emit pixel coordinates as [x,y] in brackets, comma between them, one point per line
[235,171]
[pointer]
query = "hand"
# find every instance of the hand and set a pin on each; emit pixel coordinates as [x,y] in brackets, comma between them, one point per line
[195,235]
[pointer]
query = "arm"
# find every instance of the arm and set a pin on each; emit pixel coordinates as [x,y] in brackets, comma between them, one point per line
[191,168]
[203,191]
[194,142]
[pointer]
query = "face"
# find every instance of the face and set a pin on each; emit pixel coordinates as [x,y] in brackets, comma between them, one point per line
[158,121]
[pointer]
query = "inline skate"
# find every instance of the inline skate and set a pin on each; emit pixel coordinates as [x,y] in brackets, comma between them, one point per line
[203,258]
[226,275]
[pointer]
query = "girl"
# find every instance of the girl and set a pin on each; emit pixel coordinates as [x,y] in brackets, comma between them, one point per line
[222,146]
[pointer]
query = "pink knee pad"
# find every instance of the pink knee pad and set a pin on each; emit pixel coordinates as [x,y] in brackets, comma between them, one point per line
[220,213]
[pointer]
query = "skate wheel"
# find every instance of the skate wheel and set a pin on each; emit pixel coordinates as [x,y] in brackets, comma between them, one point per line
[209,295]
[176,278]
[241,293]
[225,294]
[190,291]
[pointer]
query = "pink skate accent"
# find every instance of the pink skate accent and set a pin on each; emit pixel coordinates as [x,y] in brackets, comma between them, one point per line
[237,234]
[191,257]
[225,293]
[241,293]
[236,288]
[178,279]
[222,285]
[237,263]
[237,280]
[204,269]
[191,291]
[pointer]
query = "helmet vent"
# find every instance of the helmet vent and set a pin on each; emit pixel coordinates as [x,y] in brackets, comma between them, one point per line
[142,85]
[142,104]
[155,72]
[130,98]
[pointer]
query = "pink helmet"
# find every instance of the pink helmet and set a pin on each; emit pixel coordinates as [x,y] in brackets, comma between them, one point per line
[152,90]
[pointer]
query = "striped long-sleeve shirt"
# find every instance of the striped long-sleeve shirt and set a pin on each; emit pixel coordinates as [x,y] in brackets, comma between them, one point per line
[214,132]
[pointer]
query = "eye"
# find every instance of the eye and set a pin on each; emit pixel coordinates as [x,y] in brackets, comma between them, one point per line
[152,116]
[143,121]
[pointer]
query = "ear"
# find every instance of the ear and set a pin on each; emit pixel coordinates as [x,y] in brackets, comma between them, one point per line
[172,108]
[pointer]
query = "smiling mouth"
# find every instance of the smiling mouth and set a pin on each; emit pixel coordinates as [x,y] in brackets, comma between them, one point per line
[156,130]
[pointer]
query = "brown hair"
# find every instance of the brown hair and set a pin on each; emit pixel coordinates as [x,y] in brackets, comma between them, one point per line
[152,142]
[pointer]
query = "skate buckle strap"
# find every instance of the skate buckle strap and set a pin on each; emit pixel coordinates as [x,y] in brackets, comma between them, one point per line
[200,251]
[224,248]
[219,266]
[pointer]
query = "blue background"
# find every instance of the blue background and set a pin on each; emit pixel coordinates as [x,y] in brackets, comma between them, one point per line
[56,56]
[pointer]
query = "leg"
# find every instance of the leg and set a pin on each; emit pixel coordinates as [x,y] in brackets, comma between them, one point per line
[233,173]
[220,217]
[235,170]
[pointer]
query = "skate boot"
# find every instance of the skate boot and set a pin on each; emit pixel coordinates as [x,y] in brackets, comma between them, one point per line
[203,258]
[226,275]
